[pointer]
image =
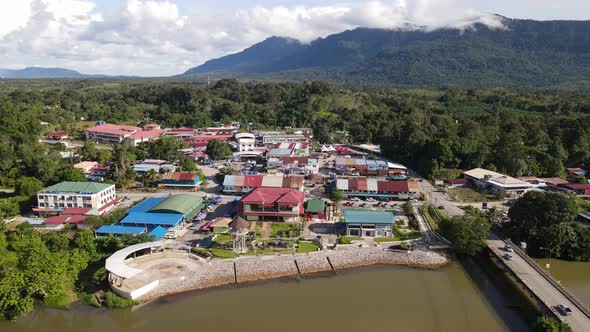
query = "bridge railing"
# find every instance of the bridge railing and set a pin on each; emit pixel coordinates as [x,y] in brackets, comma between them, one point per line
[564,291]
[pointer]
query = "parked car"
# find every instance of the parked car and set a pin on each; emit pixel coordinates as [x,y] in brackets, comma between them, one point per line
[371,199]
[354,199]
[440,207]
[508,248]
[507,257]
[563,309]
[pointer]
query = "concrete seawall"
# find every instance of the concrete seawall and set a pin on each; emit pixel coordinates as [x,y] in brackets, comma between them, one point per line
[222,272]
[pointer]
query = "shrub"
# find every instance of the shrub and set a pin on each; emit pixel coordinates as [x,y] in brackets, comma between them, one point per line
[114,301]
[89,299]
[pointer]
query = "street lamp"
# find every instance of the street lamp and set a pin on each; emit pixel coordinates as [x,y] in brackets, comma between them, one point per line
[550,252]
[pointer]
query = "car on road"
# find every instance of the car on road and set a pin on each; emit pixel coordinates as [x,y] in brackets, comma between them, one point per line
[507,257]
[440,207]
[371,199]
[508,248]
[563,309]
[354,199]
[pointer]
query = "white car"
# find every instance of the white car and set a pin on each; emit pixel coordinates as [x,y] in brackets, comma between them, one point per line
[354,199]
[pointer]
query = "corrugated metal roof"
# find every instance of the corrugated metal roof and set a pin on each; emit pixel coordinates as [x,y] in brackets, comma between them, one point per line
[272,182]
[119,229]
[182,203]
[239,180]
[158,232]
[146,204]
[75,187]
[160,219]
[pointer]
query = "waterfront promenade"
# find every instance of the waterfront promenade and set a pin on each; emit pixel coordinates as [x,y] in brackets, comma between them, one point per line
[541,284]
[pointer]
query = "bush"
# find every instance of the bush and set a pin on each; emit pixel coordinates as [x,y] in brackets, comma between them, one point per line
[548,324]
[404,245]
[114,301]
[58,299]
[89,299]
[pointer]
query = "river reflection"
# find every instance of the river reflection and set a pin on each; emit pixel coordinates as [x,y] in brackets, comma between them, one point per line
[371,299]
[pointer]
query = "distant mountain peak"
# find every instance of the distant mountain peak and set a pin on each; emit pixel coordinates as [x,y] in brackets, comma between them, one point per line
[492,50]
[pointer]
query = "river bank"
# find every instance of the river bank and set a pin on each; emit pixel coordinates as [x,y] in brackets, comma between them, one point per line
[248,269]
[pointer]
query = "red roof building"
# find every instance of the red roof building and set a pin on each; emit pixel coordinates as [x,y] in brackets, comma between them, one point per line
[273,204]
[578,188]
[57,136]
[62,220]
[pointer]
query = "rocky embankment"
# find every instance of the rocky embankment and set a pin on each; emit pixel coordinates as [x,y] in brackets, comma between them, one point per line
[244,269]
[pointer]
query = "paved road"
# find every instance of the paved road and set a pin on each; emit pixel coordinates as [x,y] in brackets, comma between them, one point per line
[437,198]
[578,321]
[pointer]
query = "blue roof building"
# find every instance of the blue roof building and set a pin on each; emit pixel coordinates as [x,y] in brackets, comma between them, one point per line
[158,233]
[119,230]
[146,205]
[152,219]
[368,223]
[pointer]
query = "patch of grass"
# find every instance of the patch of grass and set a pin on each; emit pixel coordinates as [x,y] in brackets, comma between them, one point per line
[432,221]
[582,204]
[223,238]
[386,239]
[467,195]
[348,239]
[222,253]
[304,246]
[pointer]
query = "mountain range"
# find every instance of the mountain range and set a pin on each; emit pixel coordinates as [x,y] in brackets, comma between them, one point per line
[523,53]
[42,72]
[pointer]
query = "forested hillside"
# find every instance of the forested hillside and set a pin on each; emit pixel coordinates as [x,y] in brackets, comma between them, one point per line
[522,53]
[518,132]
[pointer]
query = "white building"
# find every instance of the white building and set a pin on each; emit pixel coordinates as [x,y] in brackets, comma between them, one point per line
[489,180]
[245,142]
[99,197]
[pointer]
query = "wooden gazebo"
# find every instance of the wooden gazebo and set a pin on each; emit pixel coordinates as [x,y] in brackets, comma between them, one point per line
[238,228]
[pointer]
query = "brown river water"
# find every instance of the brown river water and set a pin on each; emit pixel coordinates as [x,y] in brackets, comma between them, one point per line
[573,275]
[381,298]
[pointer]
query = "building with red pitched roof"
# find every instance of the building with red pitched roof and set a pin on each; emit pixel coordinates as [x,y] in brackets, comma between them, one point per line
[181,180]
[578,188]
[381,189]
[57,136]
[273,204]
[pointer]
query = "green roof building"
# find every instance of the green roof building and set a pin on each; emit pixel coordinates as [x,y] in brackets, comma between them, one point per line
[77,187]
[93,198]
[185,204]
[315,205]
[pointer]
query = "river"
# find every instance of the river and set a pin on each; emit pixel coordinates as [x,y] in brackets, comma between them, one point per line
[382,298]
[575,276]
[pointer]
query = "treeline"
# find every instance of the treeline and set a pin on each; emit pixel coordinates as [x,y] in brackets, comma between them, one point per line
[55,269]
[517,132]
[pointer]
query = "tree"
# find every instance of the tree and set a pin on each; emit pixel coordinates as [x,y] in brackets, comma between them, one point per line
[72,174]
[548,324]
[165,148]
[122,158]
[536,210]
[28,186]
[14,299]
[466,233]
[8,208]
[187,165]
[218,150]
[336,196]
[89,151]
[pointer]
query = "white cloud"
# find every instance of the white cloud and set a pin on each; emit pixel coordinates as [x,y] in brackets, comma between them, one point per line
[153,37]
[13,15]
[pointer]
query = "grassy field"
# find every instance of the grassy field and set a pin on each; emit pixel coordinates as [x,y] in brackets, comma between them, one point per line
[304,246]
[386,239]
[222,253]
[348,239]
[467,195]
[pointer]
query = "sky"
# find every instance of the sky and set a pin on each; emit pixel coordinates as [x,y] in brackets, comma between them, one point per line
[167,37]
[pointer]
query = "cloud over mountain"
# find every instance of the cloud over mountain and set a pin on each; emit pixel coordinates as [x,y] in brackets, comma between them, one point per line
[154,37]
